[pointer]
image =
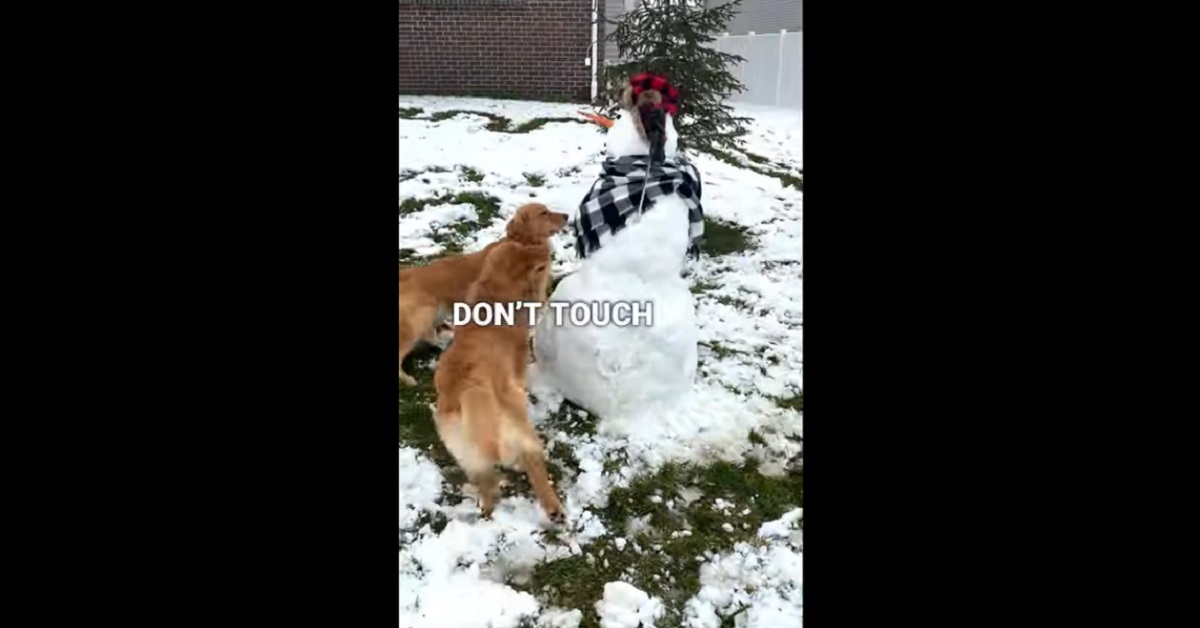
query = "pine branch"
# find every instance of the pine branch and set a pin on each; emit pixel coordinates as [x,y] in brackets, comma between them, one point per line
[672,39]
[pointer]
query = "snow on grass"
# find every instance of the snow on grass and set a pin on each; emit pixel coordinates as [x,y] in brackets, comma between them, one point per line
[420,488]
[420,228]
[775,133]
[670,514]
[626,606]
[764,584]
[519,111]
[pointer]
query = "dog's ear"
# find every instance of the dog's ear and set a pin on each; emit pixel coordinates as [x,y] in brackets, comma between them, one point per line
[520,226]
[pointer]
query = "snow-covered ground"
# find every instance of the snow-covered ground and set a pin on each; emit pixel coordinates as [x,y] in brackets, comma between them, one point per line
[472,573]
[775,133]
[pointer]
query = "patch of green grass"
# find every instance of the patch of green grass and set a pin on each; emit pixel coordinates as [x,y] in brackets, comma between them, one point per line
[791,180]
[417,429]
[701,287]
[413,205]
[486,207]
[615,461]
[406,175]
[409,258]
[496,122]
[409,113]
[733,389]
[535,180]
[501,124]
[472,175]
[438,116]
[795,402]
[734,302]
[571,419]
[562,463]
[677,533]
[537,123]
[761,165]
[724,238]
[454,236]
[720,350]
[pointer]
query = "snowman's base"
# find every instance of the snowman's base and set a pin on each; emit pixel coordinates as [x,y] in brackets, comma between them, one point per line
[622,371]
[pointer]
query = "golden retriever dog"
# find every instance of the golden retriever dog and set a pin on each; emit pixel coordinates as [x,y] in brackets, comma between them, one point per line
[428,293]
[482,413]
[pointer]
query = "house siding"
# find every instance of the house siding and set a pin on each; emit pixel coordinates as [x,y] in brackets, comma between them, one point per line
[758,16]
[765,16]
[532,49]
[613,10]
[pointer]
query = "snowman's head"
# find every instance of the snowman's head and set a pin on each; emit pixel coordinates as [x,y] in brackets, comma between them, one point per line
[646,123]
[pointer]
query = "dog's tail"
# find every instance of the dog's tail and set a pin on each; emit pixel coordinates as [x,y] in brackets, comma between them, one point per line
[497,433]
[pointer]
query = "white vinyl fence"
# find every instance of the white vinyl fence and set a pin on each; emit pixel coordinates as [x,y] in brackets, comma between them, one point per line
[773,70]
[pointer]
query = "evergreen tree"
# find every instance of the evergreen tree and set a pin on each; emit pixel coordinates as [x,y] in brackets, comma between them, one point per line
[673,38]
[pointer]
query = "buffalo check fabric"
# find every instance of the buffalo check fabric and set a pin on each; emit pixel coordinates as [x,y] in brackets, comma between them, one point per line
[617,194]
[646,81]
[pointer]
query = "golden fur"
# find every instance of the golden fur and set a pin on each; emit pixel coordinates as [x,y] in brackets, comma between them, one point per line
[428,293]
[481,387]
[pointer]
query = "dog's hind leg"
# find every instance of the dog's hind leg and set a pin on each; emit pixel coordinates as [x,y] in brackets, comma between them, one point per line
[471,436]
[413,327]
[535,468]
[489,491]
[521,446]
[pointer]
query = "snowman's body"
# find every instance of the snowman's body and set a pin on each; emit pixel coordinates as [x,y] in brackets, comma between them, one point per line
[615,371]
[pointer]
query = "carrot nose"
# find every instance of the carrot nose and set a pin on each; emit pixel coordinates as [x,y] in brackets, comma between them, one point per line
[598,119]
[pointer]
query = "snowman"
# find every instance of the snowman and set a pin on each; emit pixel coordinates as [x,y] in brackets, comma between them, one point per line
[634,233]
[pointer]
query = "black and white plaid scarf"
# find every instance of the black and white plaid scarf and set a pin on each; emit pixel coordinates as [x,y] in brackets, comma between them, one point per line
[618,192]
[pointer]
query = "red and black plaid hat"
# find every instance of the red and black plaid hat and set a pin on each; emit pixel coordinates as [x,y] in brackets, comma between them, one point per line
[645,81]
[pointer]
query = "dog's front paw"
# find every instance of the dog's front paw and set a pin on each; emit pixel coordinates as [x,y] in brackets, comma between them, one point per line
[407,379]
[558,518]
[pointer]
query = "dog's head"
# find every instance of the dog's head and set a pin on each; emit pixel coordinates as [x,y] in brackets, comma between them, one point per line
[534,223]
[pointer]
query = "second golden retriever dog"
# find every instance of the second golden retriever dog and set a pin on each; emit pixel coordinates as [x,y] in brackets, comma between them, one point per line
[482,412]
[427,293]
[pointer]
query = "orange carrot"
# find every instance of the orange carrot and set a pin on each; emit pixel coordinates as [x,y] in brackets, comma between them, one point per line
[598,119]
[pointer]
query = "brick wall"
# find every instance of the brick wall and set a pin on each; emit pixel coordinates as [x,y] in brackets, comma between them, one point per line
[531,49]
